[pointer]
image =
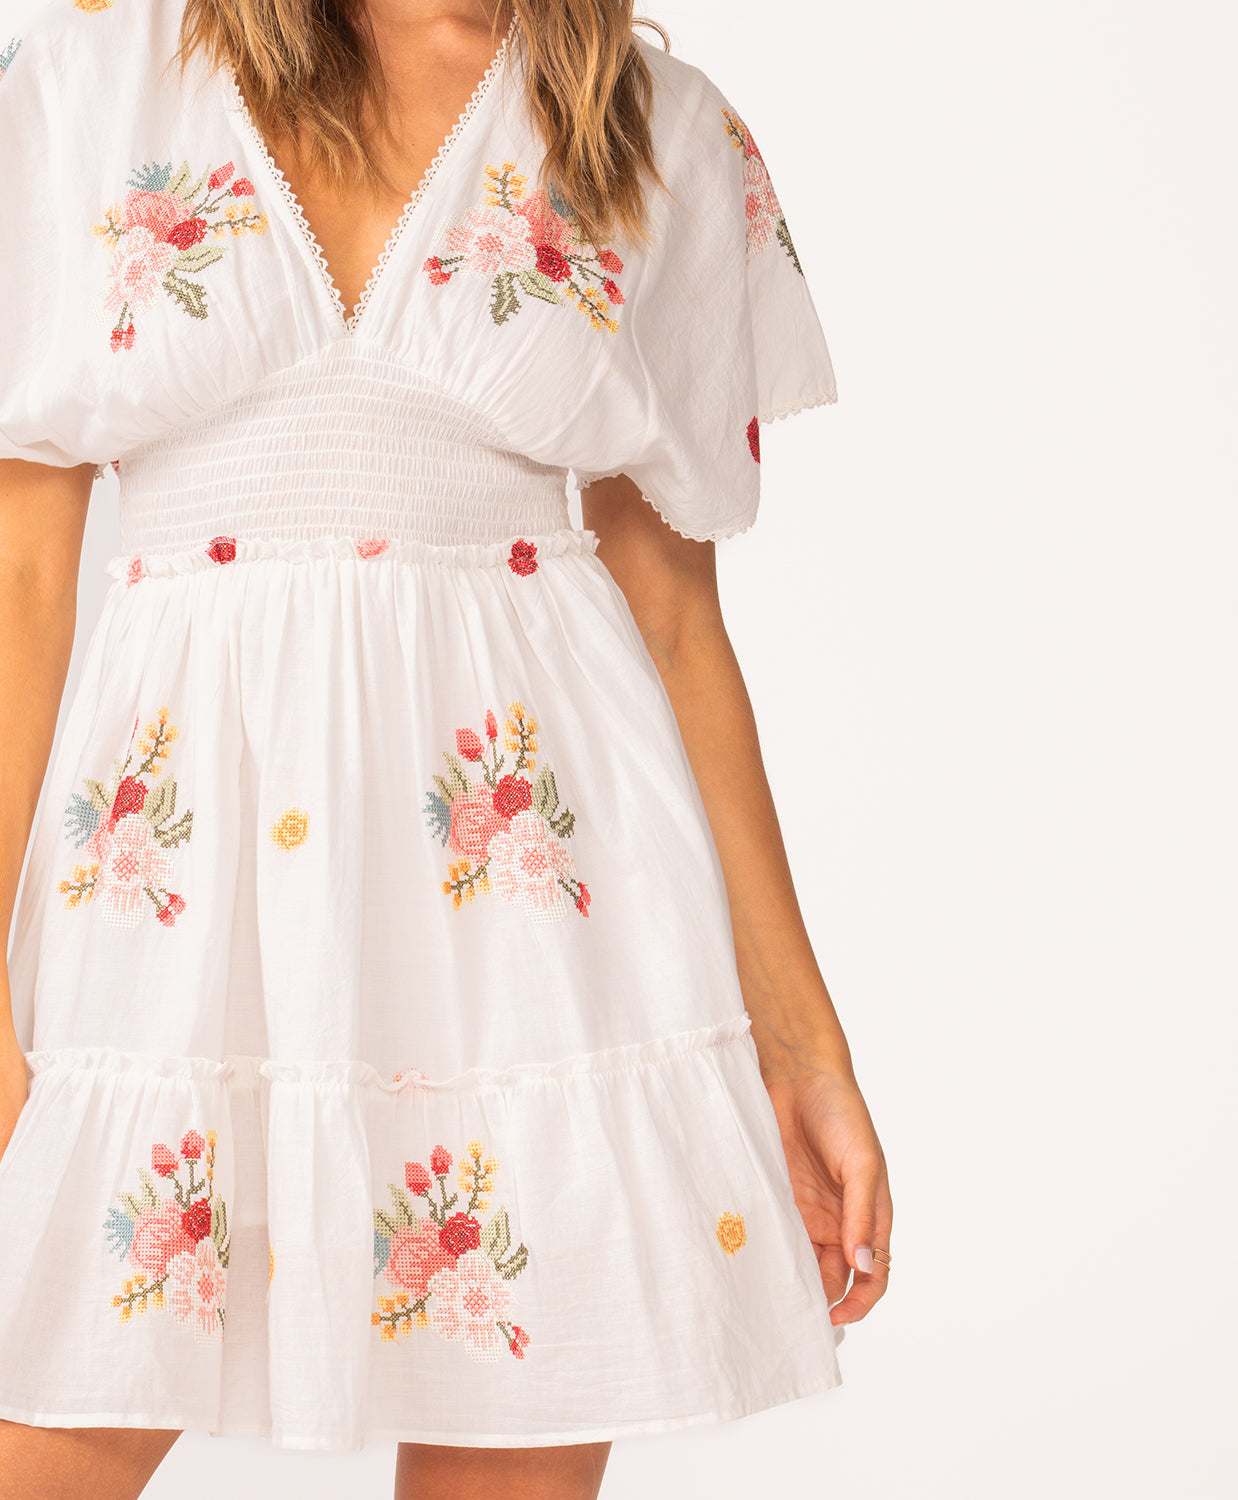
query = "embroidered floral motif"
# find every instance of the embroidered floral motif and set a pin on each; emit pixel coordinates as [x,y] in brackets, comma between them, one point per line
[731,1232]
[92,7]
[222,549]
[8,53]
[522,558]
[158,237]
[528,242]
[126,831]
[766,221]
[450,1270]
[371,546]
[754,439]
[291,829]
[179,1243]
[509,830]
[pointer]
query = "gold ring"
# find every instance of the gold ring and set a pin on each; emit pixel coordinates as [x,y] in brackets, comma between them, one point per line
[877,1254]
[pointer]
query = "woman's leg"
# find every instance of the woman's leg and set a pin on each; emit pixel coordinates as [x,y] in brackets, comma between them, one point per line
[433,1471]
[67,1463]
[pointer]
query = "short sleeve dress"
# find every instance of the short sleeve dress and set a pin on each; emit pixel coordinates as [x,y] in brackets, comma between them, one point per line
[390,1076]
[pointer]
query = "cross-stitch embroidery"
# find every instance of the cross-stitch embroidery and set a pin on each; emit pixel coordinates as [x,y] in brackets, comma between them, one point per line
[92,7]
[8,53]
[766,221]
[508,830]
[754,438]
[178,1243]
[450,1271]
[528,242]
[731,1233]
[158,237]
[127,829]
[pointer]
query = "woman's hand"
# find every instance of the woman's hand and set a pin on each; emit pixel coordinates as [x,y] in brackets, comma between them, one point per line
[14,1083]
[838,1173]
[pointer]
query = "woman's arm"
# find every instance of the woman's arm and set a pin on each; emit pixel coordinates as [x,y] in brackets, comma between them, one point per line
[670,585]
[42,520]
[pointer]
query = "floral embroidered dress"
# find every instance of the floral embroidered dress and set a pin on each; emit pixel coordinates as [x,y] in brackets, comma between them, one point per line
[390,1076]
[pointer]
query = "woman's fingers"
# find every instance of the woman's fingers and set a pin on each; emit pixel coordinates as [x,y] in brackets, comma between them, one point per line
[867,1222]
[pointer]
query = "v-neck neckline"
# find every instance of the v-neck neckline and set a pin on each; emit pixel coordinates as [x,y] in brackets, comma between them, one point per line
[346,322]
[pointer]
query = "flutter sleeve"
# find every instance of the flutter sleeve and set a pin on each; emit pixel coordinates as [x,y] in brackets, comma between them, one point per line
[720,325]
[44,412]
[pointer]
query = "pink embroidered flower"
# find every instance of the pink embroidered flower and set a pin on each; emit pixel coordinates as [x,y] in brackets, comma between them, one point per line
[196,1285]
[468,744]
[192,1145]
[460,1233]
[523,557]
[512,795]
[417,1254]
[548,229]
[171,909]
[372,546]
[474,822]
[469,1299]
[754,439]
[158,1235]
[136,570]
[139,264]
[492,725]
[440,1161]
[161,212]
[527,863]
[131,864]
[766,223]
[416,1176]
[488,240]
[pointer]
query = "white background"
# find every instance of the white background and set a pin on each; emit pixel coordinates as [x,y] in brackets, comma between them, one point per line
[987,622]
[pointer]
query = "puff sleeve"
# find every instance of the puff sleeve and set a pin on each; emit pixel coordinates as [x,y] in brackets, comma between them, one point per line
[721,328]
[42,412]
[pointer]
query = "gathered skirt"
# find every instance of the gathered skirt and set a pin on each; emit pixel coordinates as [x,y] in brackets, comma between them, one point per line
[390,1076]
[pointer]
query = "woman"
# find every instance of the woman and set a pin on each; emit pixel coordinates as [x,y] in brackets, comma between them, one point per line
[415,1035]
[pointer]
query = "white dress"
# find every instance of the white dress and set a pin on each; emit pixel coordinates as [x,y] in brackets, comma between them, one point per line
[390,1076]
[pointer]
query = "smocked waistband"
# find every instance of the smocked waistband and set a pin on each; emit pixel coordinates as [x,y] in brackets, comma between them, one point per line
[521,554]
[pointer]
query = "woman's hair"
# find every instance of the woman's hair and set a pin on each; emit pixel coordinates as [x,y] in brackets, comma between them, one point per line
[310,69]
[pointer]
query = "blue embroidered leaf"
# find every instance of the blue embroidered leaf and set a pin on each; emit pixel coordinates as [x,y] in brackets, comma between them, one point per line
[151,177]
[438,816]
[120,1229]
[81,819]
[8,54]
[382,1248]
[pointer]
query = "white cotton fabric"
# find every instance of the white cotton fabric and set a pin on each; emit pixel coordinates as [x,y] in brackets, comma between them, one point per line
[354,655]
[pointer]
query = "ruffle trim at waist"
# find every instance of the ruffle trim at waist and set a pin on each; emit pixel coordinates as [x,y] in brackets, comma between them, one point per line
[519,553]
[248,1070]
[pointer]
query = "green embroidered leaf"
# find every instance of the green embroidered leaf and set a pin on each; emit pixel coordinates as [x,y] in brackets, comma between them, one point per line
[161,803]
[224,1251]
[98,794]
[538,284]
[564,823]
[384,1223]
[447,792]
[496,1236]
[504,302]
[405,1216]
[784,238]
[459,777]
[189,294]
[150,1194]
[130,1204]
[520,1259]
[191,192]
[175,833]
[545,795]
[198,257]
[175,183]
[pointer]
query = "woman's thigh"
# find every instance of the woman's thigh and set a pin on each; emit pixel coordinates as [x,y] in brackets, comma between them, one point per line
[433,1471]
[67,1463]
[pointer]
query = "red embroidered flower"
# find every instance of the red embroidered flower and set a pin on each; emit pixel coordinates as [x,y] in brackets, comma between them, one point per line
[168,913]
[163,1160]
[136,570]
[122,338]
[512,795]
[416,1177]
[492,727]
[187,233]
[612,291]
[192,1146]
[519,1339]
[609,261]
[198,1218]
[220,175]
[754,439]
[130,795]
[371,546]
[551,263]
[468,745]
[460,1233]
[222,549]
[440,1161]
[242,188]
[434,269]
[523,557]
[582,901]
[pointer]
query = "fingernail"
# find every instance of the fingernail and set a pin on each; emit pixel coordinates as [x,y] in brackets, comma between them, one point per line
[864,1260]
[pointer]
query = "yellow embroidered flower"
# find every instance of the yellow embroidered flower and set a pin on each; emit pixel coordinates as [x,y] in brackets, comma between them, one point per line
[92,7]
[731,1233]
[421,1318]
[517,710]
[291,829]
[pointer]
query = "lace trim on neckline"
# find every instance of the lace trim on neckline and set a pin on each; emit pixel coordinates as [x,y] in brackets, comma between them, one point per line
[349,321]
